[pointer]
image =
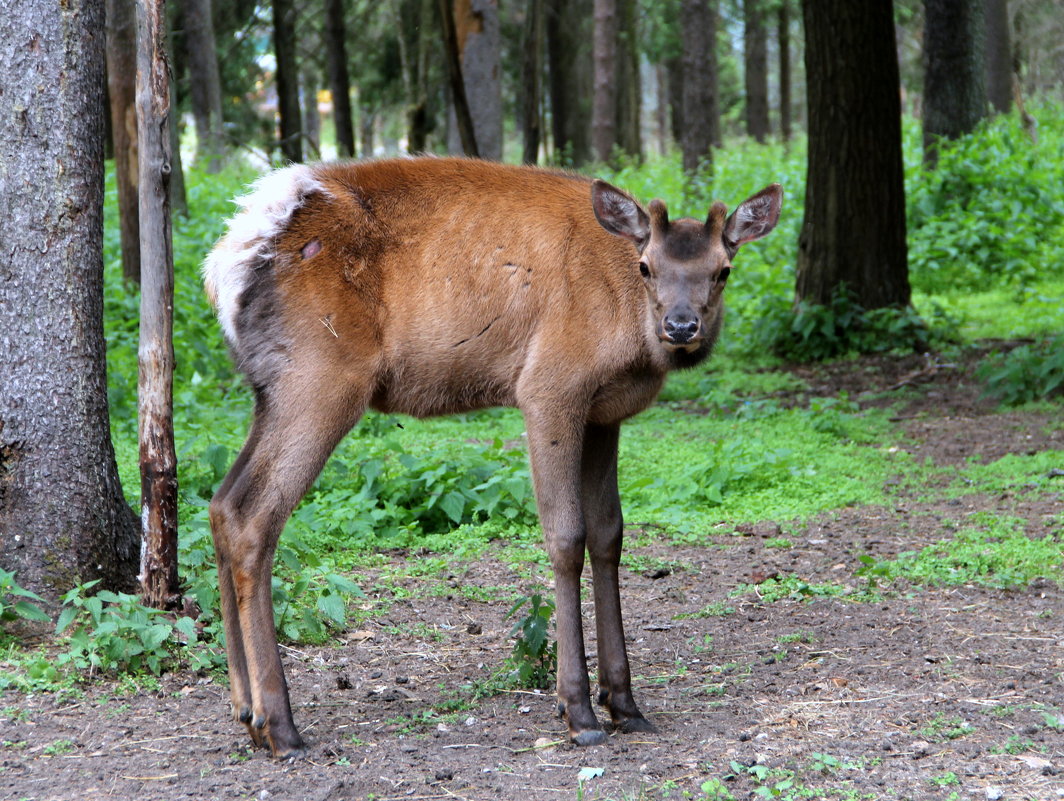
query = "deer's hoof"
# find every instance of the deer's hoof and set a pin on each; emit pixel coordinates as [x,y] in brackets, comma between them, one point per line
[589,737]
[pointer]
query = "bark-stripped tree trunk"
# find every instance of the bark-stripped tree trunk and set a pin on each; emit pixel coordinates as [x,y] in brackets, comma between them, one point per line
[478,37]
[954,88]
[339,83]
[158,460]
[284,48]
[701,112]
[783,33]
[459,100]
[531,70]
[755,60]
[63,518]
[121,94]
[205,84]
[854,227]
[569,61]
[998,56]
[604,95]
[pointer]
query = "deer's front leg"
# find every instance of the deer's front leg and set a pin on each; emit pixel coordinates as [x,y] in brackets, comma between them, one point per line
[554,445]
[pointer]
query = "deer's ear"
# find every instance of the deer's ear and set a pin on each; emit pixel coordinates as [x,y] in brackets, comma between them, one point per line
[620,213]
[754,217]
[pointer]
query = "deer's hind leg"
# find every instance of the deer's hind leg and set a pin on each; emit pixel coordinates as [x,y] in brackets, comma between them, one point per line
[298,422]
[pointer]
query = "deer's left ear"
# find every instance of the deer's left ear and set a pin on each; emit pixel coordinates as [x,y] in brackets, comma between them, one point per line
[754,217]
[620,213]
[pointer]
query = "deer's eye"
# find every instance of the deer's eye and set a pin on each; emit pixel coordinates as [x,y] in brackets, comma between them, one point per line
[644,269]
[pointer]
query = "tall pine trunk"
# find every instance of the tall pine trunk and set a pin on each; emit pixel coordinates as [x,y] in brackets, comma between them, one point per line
[998,56]
[569,60]
[629,81]
[701,111]
[63,518]
[339,83]
[783,34]
[853,232]
[604,95]
[205,84]
[284,47]
[531,72]
[755,61]
[121,94]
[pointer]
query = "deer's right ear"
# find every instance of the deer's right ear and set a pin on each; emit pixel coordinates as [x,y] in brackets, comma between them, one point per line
[620,213]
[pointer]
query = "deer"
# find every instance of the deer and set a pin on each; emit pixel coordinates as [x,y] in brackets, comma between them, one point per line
[428,286]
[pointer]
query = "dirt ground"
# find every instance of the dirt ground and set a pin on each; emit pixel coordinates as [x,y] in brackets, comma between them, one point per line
[939,693]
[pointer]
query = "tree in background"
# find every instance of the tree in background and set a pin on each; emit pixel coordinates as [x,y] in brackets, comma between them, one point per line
[121,92]
[205,83]
[853,233]
[569,68]
[954,88]
[998,52]
[629,82]
[604,95]
[284,47]
[478,36]
[701,114]
[339,82]
[63,518]
[783,37]
[531,83]
[755,69]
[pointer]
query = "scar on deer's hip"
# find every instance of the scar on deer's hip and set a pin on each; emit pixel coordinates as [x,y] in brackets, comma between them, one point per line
[311,249]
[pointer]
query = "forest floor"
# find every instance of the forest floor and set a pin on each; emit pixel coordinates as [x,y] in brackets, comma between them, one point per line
[915,692]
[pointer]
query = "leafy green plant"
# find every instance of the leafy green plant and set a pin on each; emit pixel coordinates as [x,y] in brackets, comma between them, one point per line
[534,659]
[17,602]
[1027,373]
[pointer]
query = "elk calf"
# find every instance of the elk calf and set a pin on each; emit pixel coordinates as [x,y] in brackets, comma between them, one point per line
[430,286]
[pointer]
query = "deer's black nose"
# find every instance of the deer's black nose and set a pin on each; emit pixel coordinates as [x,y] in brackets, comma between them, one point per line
[680,328]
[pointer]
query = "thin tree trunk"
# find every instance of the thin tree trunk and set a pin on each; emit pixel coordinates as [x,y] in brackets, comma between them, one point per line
[629,80]
[755,60]
[998,55]
[63,517]
[604,95]
[661,113]
[367,121]
[954,88]
[783,33]
[121,91]
[205,83]
[178,197]
[531,70]
[339,85]
[701,114]
[284,46]
[463,119]
[158,460]
[674,73]
[311,115]
[853,232]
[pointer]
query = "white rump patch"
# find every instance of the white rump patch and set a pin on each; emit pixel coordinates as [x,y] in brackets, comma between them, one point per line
[264,213]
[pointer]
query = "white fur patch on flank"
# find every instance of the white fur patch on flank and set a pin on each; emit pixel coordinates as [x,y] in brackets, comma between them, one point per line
[264,213]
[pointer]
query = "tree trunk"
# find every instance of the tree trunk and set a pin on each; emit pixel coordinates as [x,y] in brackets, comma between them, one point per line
[121,92]
[755,60]
[463,121]
[366,123]
[311,115]
[158,460]
[284,47]
[661,113]
[63,518]
[674,73]
[954,88]
[478,36]
[178,197]
[998,56]
[629,81]
[604,95]
[569,62]
[783,32]
[531,70]
[205,83]
[854,227]
[701,112]
[339,84]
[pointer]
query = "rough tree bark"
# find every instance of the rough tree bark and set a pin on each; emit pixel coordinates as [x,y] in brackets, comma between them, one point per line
[998,56]
[954,88]
[478,37]
[284,47]
[158,460]
[339,83]
[63,518]
[459,101]
[853,232]
[121,94]
[531,70]
[755,61]
[701,114]
[205,84]
[569,66]
[604,94]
